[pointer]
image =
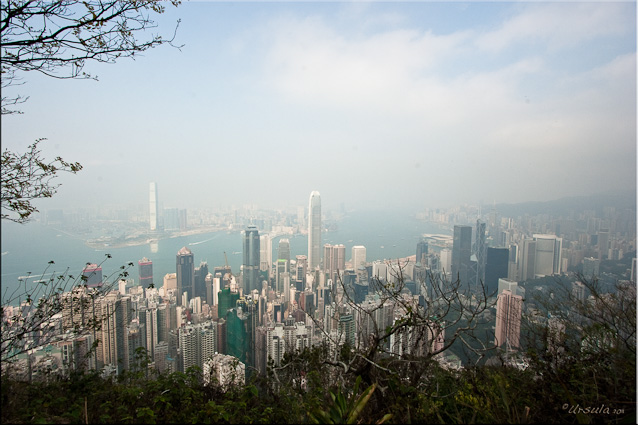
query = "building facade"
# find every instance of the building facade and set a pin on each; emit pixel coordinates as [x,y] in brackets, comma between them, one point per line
[314,230]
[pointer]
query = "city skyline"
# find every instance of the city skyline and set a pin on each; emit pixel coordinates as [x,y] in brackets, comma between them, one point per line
[485,102]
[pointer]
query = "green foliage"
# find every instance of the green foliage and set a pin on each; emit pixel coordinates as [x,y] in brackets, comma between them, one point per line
[344,410]
[27,177]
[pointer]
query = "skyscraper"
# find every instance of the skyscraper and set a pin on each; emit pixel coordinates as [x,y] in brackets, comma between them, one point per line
[527,260]
[265,253]
[479,251]
[146,272]
[251,259]
[446,261]
[548,255]
[496,267]
[314,230]
[508,319]
[302,268]
[284,251]
[153,208]
[185,273]
[200,280]
[358,256]
[334,261]
[461,251]
[421,251]
[93,274]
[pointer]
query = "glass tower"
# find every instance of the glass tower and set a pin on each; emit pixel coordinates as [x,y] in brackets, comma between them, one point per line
[314,230]
[251,259]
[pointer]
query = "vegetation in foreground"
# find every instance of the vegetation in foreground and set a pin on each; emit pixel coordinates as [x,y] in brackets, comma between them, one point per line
[581,390]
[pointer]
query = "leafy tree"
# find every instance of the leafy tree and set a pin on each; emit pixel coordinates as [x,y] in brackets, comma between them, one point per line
[583,348]
[33,323]
[57,39]
[399,333]
[26,177]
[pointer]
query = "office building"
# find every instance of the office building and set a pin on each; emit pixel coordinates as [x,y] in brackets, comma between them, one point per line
[358,256]
[283,251]
[282,269]
[548,255]
[445,256]
[461,252]
[480,253]
[265,254]
[145,267]
[251,264]
[496,267]
[334,261]
[200,280]
[421,252]
[93,275]
[527,260]
[153,208]
[301,270]
[185,274]
[314,230]
[603,244]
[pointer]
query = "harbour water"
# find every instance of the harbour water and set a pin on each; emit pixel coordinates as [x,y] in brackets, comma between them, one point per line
[29,248]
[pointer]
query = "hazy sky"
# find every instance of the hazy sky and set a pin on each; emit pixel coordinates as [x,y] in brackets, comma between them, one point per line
[415,104]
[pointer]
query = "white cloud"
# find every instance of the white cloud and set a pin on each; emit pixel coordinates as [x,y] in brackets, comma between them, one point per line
[558,25]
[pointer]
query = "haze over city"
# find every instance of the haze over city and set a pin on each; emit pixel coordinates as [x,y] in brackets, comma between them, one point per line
[373,104]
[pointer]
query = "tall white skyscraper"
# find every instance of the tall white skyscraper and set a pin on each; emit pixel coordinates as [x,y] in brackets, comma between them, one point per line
[446,261]
[314,230]
[265,253]
[548,255]
[358,256]
[153,206]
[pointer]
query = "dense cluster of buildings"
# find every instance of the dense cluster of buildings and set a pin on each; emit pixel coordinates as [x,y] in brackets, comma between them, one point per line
[228,324]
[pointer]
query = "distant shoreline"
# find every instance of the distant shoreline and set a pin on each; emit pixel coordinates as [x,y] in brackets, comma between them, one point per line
[147,238]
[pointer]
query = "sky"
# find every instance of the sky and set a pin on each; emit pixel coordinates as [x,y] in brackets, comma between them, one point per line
[373,104]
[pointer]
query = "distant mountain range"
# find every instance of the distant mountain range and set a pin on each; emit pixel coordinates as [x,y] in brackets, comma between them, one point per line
[564,206]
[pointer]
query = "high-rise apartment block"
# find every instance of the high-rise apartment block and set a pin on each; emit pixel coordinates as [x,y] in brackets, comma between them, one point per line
[509,308]
[197,344]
